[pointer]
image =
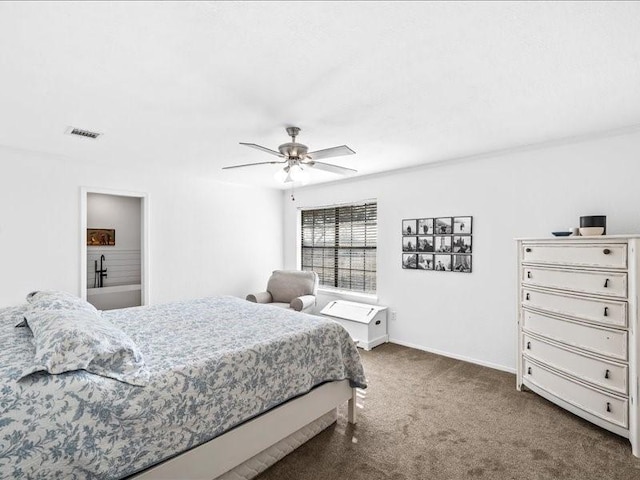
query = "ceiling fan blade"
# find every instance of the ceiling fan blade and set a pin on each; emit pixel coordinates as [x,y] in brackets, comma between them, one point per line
[252,164]
[330,152]
[264,149]
[328,167]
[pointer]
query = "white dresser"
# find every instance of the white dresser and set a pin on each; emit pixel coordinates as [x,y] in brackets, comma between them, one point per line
[578,339]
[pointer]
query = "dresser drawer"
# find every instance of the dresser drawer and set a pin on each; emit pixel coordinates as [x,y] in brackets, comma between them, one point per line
[609,407]
[605,341]
[611,284]
[609,375]
[590,255]
[608,312]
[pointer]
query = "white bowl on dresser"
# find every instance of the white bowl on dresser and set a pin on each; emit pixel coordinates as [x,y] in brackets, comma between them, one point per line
[591,231]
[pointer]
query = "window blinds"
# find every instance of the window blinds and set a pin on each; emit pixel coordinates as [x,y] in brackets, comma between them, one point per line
[339,244]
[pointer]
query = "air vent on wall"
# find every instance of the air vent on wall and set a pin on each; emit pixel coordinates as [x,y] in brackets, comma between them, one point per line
[82,133]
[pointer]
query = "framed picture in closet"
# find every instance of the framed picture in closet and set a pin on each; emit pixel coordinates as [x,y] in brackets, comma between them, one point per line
[101,236]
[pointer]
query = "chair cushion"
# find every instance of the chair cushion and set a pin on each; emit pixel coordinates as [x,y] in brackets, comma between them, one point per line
[285,285]
[280,304]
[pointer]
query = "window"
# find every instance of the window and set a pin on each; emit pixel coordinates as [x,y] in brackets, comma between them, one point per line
[339,244]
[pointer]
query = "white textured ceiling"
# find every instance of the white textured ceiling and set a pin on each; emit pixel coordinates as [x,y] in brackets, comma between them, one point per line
[178,85]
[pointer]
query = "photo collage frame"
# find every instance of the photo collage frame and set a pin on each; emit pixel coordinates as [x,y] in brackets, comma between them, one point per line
[442,244]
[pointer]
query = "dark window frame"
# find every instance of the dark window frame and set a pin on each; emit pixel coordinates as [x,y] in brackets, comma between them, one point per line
[340,244]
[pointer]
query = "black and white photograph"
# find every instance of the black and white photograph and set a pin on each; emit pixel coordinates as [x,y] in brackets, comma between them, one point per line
[425,226]
[451,243]
[425,262]
[410,227]
[462,244]
[462,225]
[442,244]
[443,226]
[410,260]
[425,244]
[409,244]
[442,263]
[462,263]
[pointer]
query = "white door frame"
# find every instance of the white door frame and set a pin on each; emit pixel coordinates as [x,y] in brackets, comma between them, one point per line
[144,235]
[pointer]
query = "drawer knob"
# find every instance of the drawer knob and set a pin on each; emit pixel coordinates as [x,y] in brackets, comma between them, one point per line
[529,348]
[526,297]
[606,374]
[606,283]
[608,407]
[606,251]
[528,274]
[529,370]
[606,311]
[528,250]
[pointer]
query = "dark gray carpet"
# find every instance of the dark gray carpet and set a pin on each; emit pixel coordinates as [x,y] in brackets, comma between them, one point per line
[432,417]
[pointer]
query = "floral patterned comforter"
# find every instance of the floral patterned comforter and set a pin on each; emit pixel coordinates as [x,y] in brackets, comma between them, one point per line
[214,363]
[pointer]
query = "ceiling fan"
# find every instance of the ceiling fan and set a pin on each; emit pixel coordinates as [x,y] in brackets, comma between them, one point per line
[296,158]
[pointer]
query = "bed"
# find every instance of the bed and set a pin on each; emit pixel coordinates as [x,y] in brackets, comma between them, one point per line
[228,381]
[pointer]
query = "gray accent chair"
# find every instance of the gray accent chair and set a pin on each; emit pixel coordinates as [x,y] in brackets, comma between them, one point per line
[292,289]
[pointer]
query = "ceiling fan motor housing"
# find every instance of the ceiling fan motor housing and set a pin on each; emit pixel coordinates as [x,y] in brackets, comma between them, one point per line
[293,150]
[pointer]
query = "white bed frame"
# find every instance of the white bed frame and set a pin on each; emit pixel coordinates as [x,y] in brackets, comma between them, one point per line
[272,435]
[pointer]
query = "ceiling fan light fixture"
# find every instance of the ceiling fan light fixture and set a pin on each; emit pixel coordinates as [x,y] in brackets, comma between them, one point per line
[292,173]
[282,175]
[298,174]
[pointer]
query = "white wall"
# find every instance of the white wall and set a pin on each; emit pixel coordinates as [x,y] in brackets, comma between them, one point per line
[202,233]
[518,194]
[116,212]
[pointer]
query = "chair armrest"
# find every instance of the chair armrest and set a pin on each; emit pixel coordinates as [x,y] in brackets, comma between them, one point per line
[302,303]
[262,297]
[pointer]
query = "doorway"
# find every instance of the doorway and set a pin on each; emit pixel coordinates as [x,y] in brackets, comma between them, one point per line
[114,266]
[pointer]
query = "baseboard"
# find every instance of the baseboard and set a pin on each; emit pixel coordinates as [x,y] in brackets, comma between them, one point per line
[453,355]
[373,343]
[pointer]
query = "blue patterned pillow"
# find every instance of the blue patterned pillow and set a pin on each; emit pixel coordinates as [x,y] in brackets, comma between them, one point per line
[56,300]
[68,340]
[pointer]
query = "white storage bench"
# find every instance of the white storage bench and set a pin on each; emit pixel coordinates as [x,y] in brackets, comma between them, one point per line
[367,324]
